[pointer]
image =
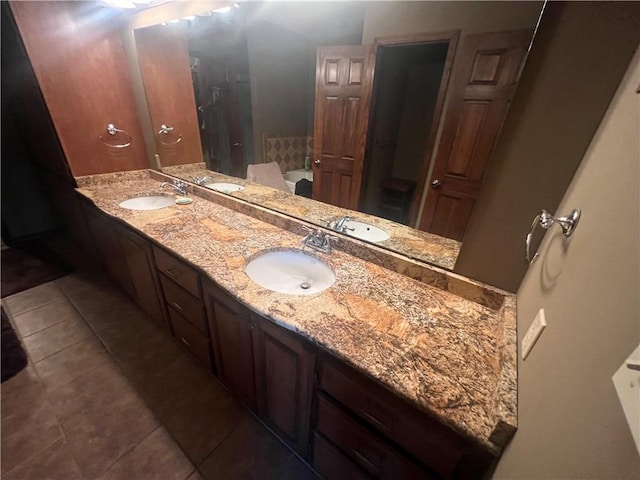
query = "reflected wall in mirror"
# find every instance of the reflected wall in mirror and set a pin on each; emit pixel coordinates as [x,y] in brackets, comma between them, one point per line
[282,41]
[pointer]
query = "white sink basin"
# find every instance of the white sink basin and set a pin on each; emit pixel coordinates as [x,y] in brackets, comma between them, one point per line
[225,187]
[290,271]
[150,202]
[365,231]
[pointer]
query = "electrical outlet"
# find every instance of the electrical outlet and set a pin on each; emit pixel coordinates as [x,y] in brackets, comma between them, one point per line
[532,335]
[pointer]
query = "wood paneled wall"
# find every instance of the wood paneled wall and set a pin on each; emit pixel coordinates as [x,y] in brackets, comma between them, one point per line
[77,54]
[163,56]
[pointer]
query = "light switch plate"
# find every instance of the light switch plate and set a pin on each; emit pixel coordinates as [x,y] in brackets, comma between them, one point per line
[532,335]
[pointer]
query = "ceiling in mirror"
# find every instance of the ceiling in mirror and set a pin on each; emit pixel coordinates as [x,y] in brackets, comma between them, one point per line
[404,143]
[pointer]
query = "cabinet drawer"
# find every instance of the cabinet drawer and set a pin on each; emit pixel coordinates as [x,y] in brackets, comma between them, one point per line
[432,443]
[178,271]
[333,465]
[191,338]
[186,304]
[365,448]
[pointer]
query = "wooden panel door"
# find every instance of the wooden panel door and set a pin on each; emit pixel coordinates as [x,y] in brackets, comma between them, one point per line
[163,57]
[343,95]
[139,260]
[77,55]
[232,336]
[485,77]
[285,367]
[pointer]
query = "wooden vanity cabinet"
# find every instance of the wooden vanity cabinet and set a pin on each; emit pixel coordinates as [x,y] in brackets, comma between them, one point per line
[233,336]
[138,258]
[183,301]
[110,255]
[384,435]
[285,367]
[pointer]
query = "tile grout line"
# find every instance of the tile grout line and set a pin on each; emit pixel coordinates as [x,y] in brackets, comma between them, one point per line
[119,366]
[6,305]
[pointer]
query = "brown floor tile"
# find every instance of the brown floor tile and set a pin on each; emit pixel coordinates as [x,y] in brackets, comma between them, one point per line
[71,363]
[29,424]
[98,439]
[205,422]
[296,469]
[98,390]
[167,387]
[157,457]
[83,282]
[26,377]
[57,337]
[250,452]
[54,462]
[33,298]
[43,317]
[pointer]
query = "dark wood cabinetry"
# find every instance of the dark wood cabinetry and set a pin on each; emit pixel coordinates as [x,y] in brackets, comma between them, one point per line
[383,434]
[233,336]
[108,247]
[138,259]
[285,367]
[183,300]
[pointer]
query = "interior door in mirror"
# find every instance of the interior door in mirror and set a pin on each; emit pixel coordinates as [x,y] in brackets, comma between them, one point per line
[485,78]
[343,95]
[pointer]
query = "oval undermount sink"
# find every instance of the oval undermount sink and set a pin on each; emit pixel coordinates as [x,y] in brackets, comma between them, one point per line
[290,271]
[224,187]
[365,231]
[149,202]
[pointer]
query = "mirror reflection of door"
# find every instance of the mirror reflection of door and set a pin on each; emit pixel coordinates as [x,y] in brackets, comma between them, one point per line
[410,83]
[485,79]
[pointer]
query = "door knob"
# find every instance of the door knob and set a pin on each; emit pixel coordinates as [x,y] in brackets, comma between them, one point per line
[237,144]
[436,184]
[317,161]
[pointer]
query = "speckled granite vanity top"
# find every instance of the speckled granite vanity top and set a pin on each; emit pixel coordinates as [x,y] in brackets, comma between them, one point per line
[448,355]
[407,241]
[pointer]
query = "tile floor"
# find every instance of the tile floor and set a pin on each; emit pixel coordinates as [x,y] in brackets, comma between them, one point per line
[108,395]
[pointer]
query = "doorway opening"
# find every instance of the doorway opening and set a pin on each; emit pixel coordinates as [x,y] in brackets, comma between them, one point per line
[411,79]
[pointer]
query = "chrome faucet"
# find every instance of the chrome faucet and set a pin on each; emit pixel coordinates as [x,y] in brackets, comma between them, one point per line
[341,224]
[201,180]
[178,186]
[318,240]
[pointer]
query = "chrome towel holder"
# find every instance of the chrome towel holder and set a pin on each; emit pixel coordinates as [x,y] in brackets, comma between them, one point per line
[164,130]
[112,130]
[568,223]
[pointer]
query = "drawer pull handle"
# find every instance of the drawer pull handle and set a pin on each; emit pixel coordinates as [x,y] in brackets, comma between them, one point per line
[365,462]
[177,306]
[382,425]
[185,342]
[173,272]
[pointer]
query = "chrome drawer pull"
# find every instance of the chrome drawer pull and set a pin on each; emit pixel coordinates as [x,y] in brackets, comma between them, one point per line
[185,342]
[177,306]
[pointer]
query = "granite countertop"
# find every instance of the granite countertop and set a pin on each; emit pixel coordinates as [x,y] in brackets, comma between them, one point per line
[449,356]
[408,241]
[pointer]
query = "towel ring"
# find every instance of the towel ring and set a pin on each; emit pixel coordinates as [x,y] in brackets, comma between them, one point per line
[164,130]
[112,130]
[568,223]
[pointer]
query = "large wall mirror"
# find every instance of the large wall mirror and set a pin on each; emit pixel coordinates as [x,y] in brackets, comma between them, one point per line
[393,108]
[388,111]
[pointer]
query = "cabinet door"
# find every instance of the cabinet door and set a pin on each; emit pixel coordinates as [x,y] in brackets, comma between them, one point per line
[108,247]
[139,260]
[285,367]
[232,335]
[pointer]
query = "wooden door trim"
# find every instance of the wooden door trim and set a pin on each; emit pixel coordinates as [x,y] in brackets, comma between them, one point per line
[452,37]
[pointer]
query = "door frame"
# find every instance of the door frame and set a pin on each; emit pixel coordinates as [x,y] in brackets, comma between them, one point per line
[451,37]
